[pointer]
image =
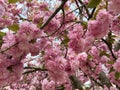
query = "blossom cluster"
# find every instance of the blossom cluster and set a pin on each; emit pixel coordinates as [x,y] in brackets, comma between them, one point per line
[44,49]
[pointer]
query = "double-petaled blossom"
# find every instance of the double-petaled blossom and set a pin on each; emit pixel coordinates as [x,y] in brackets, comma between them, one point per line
[52,27]
[113,78]
[9,40]
[100,25]
[113,6]
[9,73]
[73,49]
[115,25]
[117,65]
[55,65]
[28,42]
[48,85]
[94,28]
[76,40]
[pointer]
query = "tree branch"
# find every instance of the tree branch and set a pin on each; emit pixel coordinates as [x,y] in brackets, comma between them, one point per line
[86,9]
[34,69]
[109,47]
[76,83]
[52,16]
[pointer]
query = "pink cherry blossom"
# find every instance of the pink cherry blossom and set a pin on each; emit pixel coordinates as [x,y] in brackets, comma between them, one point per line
[2,10]
[43,43]
[115,25]
[113,6]
[48,85]
[9,40]
[117,65]
[94,30]
[100,25]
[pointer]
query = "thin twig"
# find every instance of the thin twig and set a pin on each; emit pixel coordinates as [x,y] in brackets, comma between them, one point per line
[86,9]
[92,13]
[58,29]
[2,51]
[33,69]
[80,12]
[68,13]
[109,47]
[52,16]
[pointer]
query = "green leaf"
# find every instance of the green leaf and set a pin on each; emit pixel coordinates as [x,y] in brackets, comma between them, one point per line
[29,0]
[12,1]
[1,36]
[111,62]
[110,39]
[60,87]
[65,41]
[40,22]
[89,57]
[103,53]
[117,75]
[43,52]
[117,46]
[14,27]
[111,70]
[84,24]
[93,3]
[76,83]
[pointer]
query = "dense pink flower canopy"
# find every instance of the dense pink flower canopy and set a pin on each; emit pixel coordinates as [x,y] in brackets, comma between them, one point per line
[59,45]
